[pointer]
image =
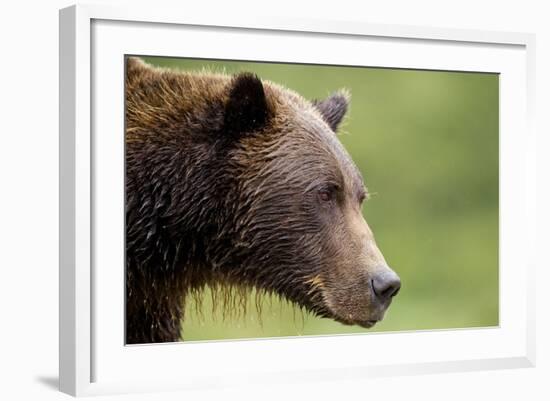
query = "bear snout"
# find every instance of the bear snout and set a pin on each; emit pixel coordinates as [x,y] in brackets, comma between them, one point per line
[385,285]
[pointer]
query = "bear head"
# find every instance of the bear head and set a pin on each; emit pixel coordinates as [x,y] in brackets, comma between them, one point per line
[280,209]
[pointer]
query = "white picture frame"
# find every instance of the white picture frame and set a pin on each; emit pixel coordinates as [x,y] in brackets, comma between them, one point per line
[93,358]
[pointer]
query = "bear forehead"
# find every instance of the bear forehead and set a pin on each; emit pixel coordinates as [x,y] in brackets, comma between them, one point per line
[298,135]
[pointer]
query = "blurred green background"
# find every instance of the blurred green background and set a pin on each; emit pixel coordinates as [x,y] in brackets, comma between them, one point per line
[427,145]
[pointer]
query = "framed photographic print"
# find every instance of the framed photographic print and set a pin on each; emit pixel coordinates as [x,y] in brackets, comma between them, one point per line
[238,195]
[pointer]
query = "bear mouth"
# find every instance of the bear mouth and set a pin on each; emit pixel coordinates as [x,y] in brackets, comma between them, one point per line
[367,323]
[324,311]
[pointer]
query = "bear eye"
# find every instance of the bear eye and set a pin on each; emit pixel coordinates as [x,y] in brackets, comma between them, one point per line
[324,195]
[327,194]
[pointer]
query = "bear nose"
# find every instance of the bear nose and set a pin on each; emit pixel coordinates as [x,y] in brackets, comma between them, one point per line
[386,284]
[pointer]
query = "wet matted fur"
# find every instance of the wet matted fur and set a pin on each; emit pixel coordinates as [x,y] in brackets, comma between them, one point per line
[236,182]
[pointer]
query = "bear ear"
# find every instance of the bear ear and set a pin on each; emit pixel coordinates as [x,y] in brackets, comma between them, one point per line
[334,108]
[246,109]
[135,66]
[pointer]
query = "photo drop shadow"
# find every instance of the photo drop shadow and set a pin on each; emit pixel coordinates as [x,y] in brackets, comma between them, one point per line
[51,382]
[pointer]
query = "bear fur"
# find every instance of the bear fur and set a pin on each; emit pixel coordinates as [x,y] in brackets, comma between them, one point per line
[235,181]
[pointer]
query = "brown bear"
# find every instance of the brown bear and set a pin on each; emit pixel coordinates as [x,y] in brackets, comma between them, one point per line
[241,182]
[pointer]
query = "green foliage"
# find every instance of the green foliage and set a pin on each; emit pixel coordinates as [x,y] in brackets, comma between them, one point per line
[427,145]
